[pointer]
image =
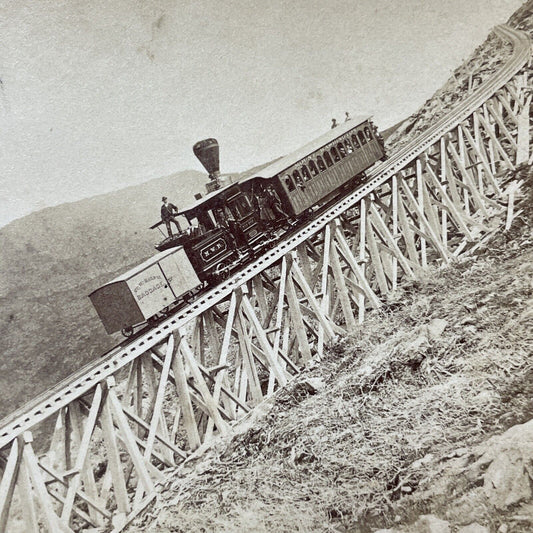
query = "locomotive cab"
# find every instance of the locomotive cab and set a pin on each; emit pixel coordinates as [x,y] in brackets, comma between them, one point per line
[221,234]
[227,229]
[241,218]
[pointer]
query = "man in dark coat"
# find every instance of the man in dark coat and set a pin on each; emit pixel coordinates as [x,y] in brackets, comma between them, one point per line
[274,203]
[265,214]
[168,215]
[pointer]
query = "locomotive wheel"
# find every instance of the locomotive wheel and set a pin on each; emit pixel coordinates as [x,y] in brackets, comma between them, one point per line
[166,310]
[222,270]
[127,331]
[153,321]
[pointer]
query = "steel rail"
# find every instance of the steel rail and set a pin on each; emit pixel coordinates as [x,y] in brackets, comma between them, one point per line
[83,380]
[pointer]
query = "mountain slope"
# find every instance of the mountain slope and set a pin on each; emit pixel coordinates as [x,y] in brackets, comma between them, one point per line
[51,260]
[392,422]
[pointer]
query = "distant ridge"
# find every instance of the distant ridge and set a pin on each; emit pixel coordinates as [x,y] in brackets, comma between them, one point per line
[51,259]
[389,131]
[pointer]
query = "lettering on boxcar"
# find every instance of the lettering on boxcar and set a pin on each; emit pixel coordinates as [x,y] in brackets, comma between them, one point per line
[144,282]
[150,290]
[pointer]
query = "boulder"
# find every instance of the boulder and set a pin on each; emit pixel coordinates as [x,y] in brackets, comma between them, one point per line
[315,385]
[421,343]
[473,528]
[436,327]
[506,480]
[422,461]
[430,524]
[509,461]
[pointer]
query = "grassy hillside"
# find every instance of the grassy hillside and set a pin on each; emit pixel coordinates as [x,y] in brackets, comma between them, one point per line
[51,260]
[392,423]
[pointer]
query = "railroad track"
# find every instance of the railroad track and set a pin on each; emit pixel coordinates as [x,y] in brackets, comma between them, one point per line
[85,379]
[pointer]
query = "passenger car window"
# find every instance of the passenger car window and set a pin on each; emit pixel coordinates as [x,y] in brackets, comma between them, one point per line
[348,145]
[297,178]
[289,183]
[313,168]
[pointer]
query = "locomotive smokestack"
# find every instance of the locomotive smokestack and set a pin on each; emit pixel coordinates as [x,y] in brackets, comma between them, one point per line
[207,153]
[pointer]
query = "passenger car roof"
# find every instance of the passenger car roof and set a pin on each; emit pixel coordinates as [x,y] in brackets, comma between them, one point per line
[286,161]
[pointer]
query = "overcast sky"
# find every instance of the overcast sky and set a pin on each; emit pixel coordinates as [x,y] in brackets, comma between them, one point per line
[98,95]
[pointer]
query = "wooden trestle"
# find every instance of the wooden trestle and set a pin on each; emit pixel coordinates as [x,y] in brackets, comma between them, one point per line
[120,423]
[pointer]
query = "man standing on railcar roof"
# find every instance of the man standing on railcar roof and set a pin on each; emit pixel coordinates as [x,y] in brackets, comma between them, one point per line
[334,123]
[168,215]
[348,117]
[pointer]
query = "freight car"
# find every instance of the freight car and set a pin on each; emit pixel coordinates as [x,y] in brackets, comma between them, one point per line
[227,229]
[146,293]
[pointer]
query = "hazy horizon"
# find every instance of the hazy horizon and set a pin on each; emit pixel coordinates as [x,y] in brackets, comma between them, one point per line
[95,98]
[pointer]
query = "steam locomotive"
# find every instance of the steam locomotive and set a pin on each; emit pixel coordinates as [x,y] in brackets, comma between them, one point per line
[237,220]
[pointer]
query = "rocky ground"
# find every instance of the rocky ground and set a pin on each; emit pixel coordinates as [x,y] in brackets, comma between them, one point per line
[479,67]
[419,422]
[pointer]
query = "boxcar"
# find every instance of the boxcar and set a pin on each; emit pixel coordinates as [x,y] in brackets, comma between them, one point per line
[138,295]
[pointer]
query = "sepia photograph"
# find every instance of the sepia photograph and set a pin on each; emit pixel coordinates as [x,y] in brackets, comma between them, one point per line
[266,266]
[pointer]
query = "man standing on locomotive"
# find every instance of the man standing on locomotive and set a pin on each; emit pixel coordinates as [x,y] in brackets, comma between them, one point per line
[168,215]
